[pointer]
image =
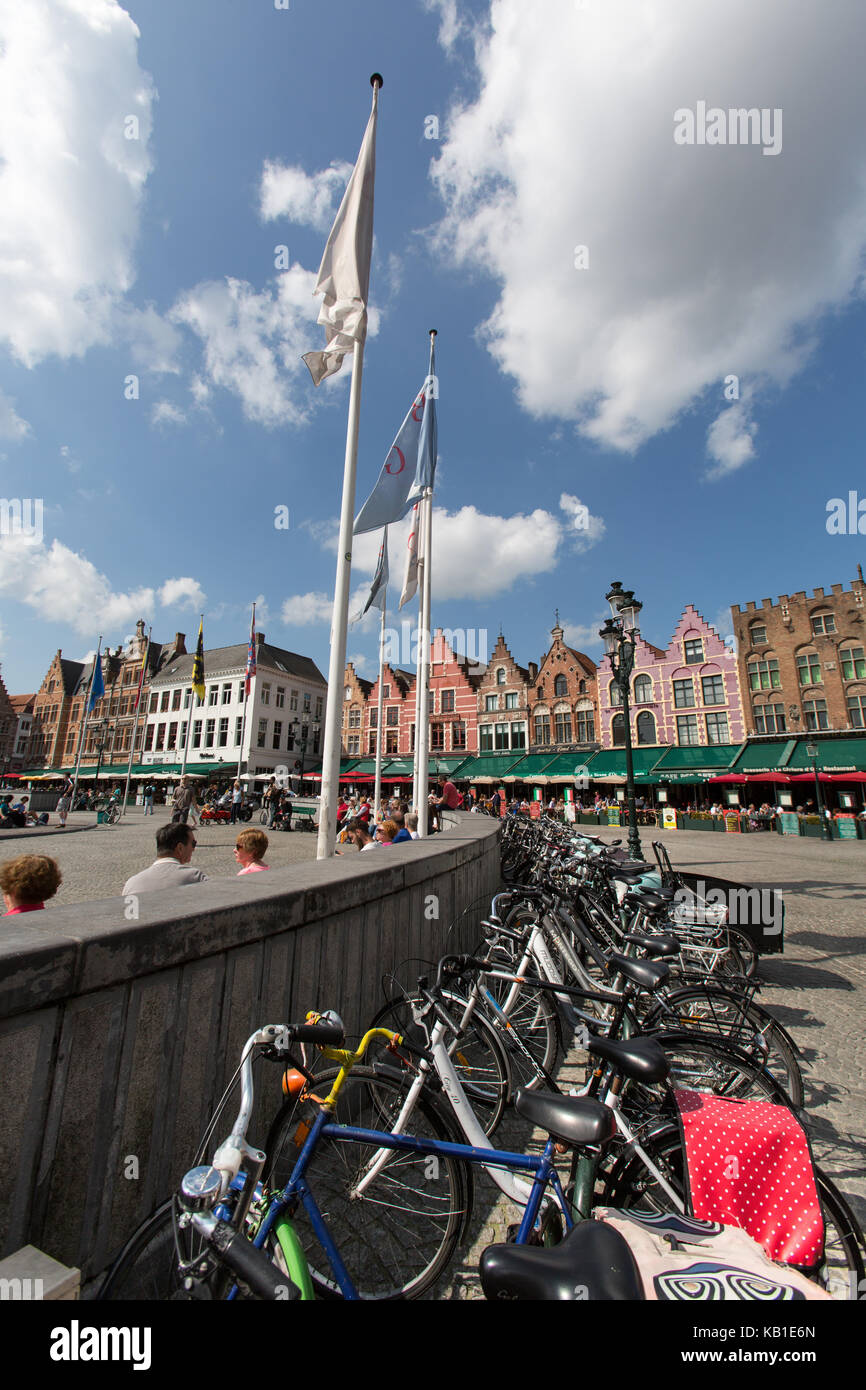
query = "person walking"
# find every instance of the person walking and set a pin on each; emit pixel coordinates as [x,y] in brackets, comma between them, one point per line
[148,799]
[272,798]
[182,801]
[64,805]
[237,802]
[175,843]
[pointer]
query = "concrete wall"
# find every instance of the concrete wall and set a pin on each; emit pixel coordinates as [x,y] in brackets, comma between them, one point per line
[118,1037]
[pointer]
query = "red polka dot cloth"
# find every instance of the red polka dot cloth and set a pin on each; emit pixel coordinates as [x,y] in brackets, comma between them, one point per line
[749,1166]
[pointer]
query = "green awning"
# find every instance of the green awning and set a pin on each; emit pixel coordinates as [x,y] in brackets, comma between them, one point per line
[834,755]
[567,767]
[361,766]
[610,762]
[765,757]
[679,763]
[488,767]
[528,768]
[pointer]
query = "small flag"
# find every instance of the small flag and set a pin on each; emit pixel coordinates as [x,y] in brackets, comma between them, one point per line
[344,275]
[389,500]
[410,582]
[97,684]
[251,655]
[425,472]
[380,581]
[197,681]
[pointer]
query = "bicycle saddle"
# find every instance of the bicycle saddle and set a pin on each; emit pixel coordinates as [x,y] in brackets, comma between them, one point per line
[647,974]
[593,1262]
[661,945]
[572,1119]
[643,1059]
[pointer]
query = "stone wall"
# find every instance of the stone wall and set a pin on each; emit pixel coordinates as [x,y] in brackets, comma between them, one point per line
[118,1037]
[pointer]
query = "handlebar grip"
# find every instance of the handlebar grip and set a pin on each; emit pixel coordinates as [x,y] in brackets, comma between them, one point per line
[252,1265]
[324,1034]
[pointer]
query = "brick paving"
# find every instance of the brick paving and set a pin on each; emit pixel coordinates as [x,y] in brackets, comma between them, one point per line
[816,988]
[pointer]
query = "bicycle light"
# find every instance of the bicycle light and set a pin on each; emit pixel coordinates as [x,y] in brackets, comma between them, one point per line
[200,1188]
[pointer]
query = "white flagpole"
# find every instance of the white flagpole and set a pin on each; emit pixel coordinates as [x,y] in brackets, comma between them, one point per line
[135,725]
[189,716]
[84,718]
[377,793]
[422,564]
[422,738]
[246,697]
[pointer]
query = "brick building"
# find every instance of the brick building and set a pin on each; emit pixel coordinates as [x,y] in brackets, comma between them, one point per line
[8,729]
[563,700]
[23,706]
[52,711]
[112,721]
[356,691]
[802,660]
[505,693]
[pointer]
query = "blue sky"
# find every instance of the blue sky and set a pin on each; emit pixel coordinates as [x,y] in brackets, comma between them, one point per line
[561,386]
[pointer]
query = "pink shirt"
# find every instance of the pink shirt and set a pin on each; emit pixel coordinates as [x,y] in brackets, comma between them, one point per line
[253,869]
[27,907]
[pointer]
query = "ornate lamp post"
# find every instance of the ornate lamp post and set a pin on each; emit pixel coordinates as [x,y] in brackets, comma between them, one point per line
[619,635]
[812,752]
[103,735]
[294,729]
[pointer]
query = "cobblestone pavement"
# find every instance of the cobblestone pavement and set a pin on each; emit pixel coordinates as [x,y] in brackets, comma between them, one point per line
[97,862]
[816,988]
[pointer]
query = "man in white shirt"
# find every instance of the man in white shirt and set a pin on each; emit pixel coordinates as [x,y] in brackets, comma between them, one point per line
[175,843]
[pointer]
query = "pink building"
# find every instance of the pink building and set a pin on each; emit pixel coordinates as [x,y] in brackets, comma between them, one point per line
[687,695]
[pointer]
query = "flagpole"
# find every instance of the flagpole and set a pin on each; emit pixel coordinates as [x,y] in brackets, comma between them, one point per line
[422,737]
[85,714]
[191,708]
[246,696]
[377,793]
[135,725]
[418,662]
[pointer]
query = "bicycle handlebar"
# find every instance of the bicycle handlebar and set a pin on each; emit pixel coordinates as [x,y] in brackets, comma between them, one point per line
[245,1260]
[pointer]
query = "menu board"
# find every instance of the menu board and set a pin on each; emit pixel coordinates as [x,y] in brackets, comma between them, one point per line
[790,823]
[669,818]
[613,815]
[847,827]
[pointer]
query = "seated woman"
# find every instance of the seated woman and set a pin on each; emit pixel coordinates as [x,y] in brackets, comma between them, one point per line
[250,849]
[27,881]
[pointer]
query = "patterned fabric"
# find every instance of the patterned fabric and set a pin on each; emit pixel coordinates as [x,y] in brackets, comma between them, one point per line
[749,1166]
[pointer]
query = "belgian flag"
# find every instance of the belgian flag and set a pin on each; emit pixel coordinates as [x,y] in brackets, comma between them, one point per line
[198,663]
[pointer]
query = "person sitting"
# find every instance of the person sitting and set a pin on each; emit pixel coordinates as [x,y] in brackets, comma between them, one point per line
[10,819]
[27,881]
[250,849]
[359,835]
[175,843]
[402,833]
[412,825]
[386,831]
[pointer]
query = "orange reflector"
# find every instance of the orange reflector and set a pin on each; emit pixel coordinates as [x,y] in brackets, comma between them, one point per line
[301,1135]
[462,1059]
[293,1082]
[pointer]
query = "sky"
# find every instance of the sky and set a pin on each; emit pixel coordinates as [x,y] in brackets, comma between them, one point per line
[650,313]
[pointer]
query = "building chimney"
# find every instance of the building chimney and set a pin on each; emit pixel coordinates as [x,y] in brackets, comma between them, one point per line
[260,637]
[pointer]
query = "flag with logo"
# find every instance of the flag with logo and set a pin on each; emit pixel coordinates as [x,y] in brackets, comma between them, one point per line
[344,275]
[425,471]
[251,656]
[380,581]
[197,681]
[410,581]
[390,498]
[97,684]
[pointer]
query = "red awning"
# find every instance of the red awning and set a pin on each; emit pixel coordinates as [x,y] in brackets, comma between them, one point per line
[777,778]
[810,777]
[731,777]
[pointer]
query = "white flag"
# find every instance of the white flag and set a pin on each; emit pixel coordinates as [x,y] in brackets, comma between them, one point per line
[410,583]
[344,275]
[379,587]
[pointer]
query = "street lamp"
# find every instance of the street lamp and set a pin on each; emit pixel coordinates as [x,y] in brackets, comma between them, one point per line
[812,752]
[294,727]
[619,636]
[103,734]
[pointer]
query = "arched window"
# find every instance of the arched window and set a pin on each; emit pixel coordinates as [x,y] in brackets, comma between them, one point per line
[560,685]
[617,730]
[643,690]
[758,635]
[581,687]
[823,623]
[614,694]
[500,675]
[646,728]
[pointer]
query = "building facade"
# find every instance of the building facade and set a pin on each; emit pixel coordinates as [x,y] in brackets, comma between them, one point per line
[23,705]
[685,695]
[53,709]
[8,729]
[563,700]
[356,691]
[505,692]
[802,660]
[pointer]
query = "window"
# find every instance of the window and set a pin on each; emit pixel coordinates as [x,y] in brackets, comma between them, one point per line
[758,635]
[518,736]
[713,688]
[293,700]
[437,737]
[853,664]
[278,733]
[239,725]
[541,692]
[684,694]
[857,711]
[458,734]
[182,743]
[542,728]
[241,691]
[172,737]
[223,736]
[491,702]
[175,699]
[694,651]
[209,730]
[485,738]
[371,744]
[581,687]
[280,698]
[823,623]
[717,728]
[614,694]
[386,692]
[266,692]
[431,701]
[148,739]
[227,694]
[769,719]
[617,730]
[585,726]
[196,734]
[809,669]
[307,703]
[373,719]
[500,675]
[392,716]
[646,727]
[687,729]
[560,685]
[391,741]
[213,694]
[355,717]
[511,700]
[562,726]
[446,704]
[354,744]
[163,703]
[317,716]
[160,738]
[816,714]
[764,675]
[262,736]
[643,690]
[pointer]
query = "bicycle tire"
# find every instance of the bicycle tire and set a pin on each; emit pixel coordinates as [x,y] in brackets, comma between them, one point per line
[146,1270]
[479,1057]
[536,1019]
[398,1237]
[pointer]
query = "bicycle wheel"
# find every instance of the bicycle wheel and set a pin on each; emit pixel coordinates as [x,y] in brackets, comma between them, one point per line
[146,1270]
[717,1067]
[478,1055]
[533,1019]
[843,1265]
[397,1236]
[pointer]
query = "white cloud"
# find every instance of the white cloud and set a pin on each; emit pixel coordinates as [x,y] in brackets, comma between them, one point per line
[165,413]
[11,424]
[253,341]
[301,610]
[730,440]
[182,593]
[362,664]
[62,586]
[154,342]
[584,636]
[70,181]
[72,463]
[585,530]
[703,261]
[263,612]
[450,25]
[309,199]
